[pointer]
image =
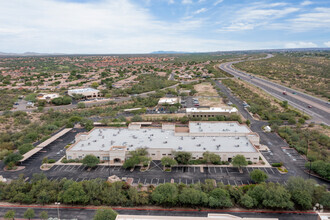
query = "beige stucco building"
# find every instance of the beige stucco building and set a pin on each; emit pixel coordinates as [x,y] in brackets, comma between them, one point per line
[86,92]
[210,112]
[226,139]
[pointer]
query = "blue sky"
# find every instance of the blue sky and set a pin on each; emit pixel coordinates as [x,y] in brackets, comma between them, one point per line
[142,26]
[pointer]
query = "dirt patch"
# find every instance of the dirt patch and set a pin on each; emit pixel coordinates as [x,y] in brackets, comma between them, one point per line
[211,101]
[205,89]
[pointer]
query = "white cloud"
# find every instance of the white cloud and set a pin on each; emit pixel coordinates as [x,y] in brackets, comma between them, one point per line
[171,1]
[217,2]
[327,44]
[304,3]
[257,15]
[107,26]
[316,19]
[300,44]
[199,11]
[185,2]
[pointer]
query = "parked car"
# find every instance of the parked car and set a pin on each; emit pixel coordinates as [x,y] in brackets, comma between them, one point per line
[309,106]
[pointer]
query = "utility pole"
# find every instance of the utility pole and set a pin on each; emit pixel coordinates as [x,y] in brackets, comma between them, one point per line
[58,210]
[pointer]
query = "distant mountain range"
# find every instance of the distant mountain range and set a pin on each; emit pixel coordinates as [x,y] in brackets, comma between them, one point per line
[29,54]
[168,52]
[3,54]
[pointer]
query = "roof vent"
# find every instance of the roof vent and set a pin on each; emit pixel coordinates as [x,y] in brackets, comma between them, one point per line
[94,141]
[204,148]
[179,148]
[247,143]
[198,145]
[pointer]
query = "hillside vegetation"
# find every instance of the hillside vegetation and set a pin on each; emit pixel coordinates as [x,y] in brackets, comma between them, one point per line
[309,72]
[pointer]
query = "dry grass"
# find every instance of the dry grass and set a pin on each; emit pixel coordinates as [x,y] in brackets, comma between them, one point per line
[205,89]
[211,101]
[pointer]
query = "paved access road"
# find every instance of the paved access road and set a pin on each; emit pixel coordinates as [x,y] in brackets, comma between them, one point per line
[320,110]
[85,212]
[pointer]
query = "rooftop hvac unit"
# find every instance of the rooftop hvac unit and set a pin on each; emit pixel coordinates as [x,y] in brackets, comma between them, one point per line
[179,148]
[231,125]
[237,145]
[204,148]
[89,143]
[165,142]
[114,135]
[247,143]
[198,145]
[237,138]
[102,137]
[82,145]
[181,138]
[193,138]
[131,145]
[103,145]
[94,140]
[112,142]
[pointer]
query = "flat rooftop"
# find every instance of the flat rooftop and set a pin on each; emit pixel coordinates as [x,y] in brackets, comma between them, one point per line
[100,139]
[83,90]
[217,127]
[211,110]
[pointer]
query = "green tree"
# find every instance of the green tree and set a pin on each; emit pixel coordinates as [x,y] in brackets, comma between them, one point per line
[165,194]
[239,161]
[74,194]
[258,176]
[43,215]
[94,85]
[212,157]
[277,197]
[219,198]
[247,201]
[182,157]
[90,161]
[105,214]
[190,196]
[25,148]
[301,191]
[131,162]
[29,213]
[13,158]
[168,161]
[10,214]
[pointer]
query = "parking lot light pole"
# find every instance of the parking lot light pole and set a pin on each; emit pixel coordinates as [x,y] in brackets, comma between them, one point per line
[58,210]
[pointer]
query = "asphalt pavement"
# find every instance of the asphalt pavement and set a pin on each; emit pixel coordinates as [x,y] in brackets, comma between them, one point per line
[320,111]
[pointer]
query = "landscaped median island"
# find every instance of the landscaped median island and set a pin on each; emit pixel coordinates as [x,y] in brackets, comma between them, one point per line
[297,194]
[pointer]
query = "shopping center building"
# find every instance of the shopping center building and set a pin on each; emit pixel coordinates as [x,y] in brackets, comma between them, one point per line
[226,139]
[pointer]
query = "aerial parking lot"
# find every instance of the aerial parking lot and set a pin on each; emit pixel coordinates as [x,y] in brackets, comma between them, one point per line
[155,175]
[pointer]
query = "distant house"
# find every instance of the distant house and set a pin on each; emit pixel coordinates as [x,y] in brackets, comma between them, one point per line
[86,92]
[168,101]
[47,97]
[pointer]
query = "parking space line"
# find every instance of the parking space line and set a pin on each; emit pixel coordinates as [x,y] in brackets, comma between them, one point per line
[235,182]
[164,181]
[180,180]
[215,170]
[77,179]
[227,170]
[192,181]
[138,181]
[72,168]
[186,181]
[157,181]
[272,170]
[248,182]
[145,180]
[194,169]
[151,181]
[61,168]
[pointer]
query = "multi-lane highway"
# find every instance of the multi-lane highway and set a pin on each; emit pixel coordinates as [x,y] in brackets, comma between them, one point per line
[318,109]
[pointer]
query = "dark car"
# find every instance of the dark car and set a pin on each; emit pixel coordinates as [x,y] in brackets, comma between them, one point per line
[309,106]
